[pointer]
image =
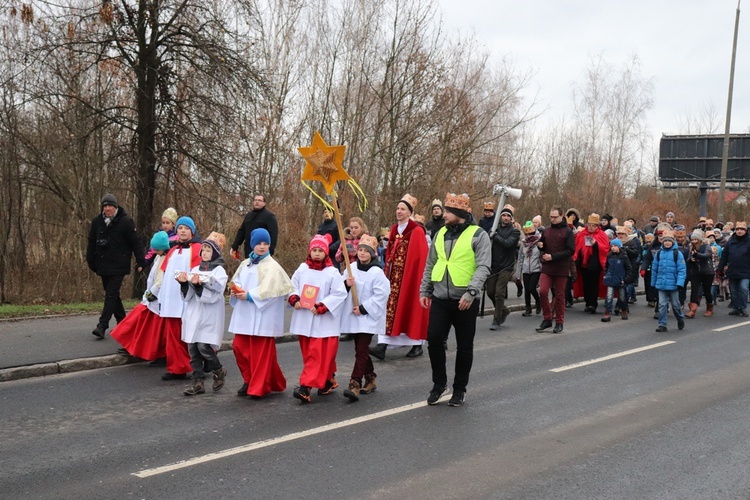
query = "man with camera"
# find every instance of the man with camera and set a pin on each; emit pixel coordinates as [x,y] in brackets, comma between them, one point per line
[112,240]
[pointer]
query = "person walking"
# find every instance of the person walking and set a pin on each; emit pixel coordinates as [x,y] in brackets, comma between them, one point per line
[259,216]
[557,244]
[668,273]
[112,240]
[504,255]
[457,267]
[735,266]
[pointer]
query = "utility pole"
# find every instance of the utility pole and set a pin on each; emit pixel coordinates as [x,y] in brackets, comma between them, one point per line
[725,154]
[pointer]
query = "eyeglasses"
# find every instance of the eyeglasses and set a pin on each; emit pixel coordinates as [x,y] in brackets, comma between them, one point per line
[554,216]
[740,229]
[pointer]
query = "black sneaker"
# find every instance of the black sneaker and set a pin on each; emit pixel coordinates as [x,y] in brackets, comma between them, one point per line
[242,391]
[174,376]
[378,351]
[123,351]
[331,384]
[99,332]
[743,313]
[733,312]
[158,362]
[504,315]
[527,312]
[494,326]
[303,394]
[435,394]
[680,324]
[457,399]
[544,326]
[558,328]
[415,351]
[661,329]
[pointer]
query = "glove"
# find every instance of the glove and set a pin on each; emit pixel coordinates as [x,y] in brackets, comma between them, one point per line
[643,273]
[235,254]
[321,308]
[293,299]
[150,296]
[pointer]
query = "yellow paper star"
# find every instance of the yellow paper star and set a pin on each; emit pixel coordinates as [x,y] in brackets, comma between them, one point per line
[323,163]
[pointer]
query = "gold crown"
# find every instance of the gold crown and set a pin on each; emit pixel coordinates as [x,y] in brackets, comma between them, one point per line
[219,239]
[369,241]
[593,219]
[488,205]
[410,200]
[459,201]
[419,218]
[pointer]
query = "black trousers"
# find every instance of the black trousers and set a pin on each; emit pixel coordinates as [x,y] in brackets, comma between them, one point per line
[530,284]
[443,315]
[203,359]
[112,302]
[591,280]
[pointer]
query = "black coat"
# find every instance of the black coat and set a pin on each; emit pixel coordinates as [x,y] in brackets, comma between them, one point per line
[109,247]
[253,220]
[505,247]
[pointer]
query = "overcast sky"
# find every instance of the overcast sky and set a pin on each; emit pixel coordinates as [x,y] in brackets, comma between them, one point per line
[685,45]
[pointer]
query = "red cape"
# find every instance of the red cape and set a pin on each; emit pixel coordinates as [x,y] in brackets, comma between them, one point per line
[195,255]
[603,249]
[404,311]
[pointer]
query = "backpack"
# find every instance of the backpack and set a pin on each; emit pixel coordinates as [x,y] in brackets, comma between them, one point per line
[674,254]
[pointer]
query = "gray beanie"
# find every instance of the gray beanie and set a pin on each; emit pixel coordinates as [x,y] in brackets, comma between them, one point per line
[109,199]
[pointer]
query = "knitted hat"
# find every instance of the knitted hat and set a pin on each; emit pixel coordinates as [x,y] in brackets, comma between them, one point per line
[170,214]
[160,241]
[409,201]
[320,241]
[187,222]
[697,234]
[509,207]
[680,231]
[436,203]
[506,210]
[528,227]
[616,242]
[607,217]
[593,219]
[670,214]
[259,235]
[217,238]
[214,246]
[488,205]
[654,219]
[109,199]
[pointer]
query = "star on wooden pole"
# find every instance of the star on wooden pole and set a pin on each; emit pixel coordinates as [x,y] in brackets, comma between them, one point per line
[323,163]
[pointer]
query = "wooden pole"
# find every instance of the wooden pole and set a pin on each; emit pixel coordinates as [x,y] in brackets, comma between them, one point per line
[344,251]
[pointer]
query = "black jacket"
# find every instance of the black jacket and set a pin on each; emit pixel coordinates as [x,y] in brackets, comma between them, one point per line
[109,247]
[505,247]
[253,220]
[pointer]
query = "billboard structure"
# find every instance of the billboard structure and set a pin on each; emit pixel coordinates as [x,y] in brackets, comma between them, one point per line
[690,159]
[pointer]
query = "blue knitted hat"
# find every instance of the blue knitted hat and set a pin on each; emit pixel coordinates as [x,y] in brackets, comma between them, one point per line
[160,241]
[186,221]
[259,235]
[617,242]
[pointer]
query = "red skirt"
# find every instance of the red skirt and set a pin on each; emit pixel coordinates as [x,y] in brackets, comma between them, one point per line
[319,359]
[178,358]
[141,333]
[256,358]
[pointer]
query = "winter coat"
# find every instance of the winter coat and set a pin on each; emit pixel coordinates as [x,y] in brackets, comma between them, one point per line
[486,223]
[700,262]
[330,227]
[735,256]
[558,241]
[634,250]
[667,271]
[110,246]
[617,270]
[529,256]
[253,220]
[505,247]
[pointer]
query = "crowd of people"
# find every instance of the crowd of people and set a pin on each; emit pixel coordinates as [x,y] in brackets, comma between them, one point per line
[406,285]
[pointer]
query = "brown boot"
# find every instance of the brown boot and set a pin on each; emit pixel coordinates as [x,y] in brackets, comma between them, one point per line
[624,314]
[220,376]
[709,310]
[352,392]
[197,388]
[370,384]
[693,309]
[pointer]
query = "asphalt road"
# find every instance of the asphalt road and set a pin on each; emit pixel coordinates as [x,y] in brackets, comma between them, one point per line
[655,416]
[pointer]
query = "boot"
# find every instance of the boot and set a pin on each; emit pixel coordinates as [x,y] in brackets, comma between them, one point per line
[352,392]
[527,312]
[378,351]
[624,314]
[693,309]
[370,384]
[607,317]
[220,376]
[709,310]
[197,388]
[538,307]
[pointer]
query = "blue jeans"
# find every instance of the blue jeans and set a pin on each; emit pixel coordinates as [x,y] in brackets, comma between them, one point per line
[673,297]
[622,302]
[738,288]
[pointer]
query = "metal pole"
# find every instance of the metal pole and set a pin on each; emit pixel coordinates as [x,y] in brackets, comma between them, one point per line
[725,153]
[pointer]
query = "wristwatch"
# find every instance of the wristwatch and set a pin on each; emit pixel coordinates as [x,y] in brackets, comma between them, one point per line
[472,292]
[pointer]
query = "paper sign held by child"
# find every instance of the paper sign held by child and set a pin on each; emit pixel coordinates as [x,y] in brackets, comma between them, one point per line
[308,296]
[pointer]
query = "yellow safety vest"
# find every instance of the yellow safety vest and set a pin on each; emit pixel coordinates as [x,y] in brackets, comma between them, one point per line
[462,262]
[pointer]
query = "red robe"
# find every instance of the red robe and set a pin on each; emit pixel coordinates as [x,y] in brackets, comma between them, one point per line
[405,259]
[582,255]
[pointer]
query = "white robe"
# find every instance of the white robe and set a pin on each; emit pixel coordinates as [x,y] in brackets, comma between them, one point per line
[373,289]
[203,317]
[170,297]
[332,293]
[153,286]
[261,317]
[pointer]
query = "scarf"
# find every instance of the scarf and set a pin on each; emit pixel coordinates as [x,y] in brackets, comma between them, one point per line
[318,265]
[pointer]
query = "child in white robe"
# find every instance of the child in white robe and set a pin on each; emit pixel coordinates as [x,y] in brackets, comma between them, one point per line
[318,298]
[258,295]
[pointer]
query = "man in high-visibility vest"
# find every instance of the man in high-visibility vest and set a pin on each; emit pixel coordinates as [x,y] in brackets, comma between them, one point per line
[457,266]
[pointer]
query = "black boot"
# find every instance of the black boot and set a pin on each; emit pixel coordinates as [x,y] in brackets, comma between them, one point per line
[527,312]
[415,351]
[378,351]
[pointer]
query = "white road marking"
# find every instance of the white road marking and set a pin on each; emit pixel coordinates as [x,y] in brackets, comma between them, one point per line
[611,356]
[725,328]
[281,439]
